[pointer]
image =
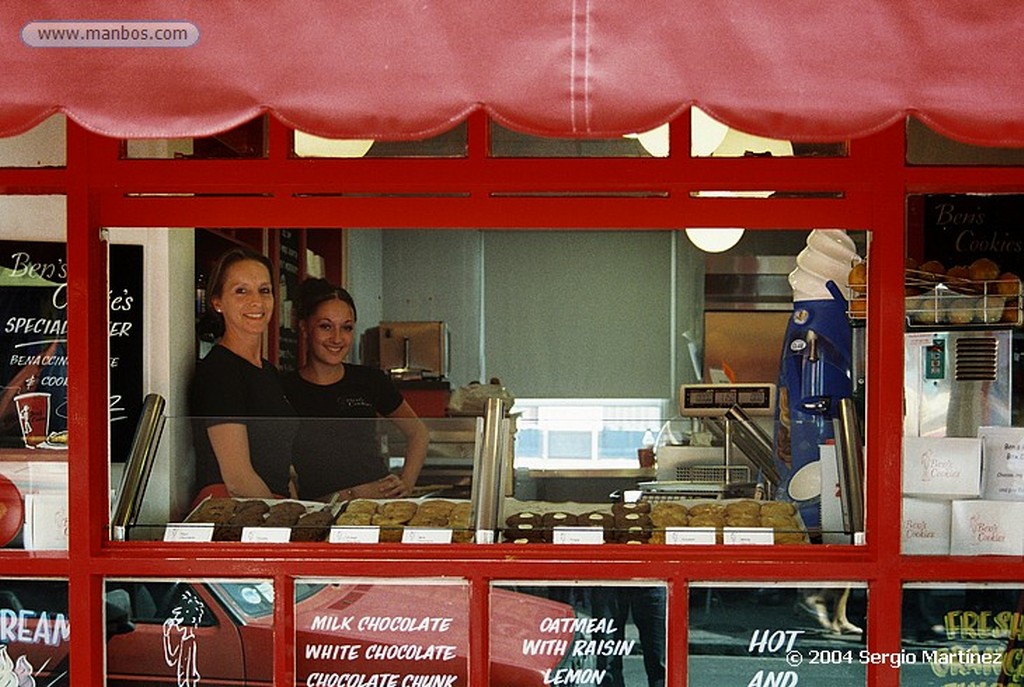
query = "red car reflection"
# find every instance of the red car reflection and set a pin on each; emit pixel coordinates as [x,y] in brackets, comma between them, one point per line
[347,635]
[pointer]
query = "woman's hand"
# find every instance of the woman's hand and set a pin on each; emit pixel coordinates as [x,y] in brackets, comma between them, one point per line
[388,487]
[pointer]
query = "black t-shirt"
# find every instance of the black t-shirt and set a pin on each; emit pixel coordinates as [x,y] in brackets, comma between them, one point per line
[333,455]
[228,388]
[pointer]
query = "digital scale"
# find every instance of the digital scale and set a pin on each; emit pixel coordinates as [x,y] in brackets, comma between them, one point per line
[727,410]
[715,400]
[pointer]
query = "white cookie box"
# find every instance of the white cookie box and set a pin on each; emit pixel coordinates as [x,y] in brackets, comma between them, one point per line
[925,529]
[987,528]
[946,467]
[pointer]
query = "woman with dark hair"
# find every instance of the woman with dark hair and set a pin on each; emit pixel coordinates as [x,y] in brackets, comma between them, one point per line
[343,457]
[244,440]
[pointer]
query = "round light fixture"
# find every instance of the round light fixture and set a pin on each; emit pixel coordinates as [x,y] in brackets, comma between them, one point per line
[714,239]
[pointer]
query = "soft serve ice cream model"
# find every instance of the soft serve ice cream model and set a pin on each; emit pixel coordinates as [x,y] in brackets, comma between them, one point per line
[815,370]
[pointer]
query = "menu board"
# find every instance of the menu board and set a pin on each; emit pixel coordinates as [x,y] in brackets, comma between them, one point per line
[33,345]
[384,634]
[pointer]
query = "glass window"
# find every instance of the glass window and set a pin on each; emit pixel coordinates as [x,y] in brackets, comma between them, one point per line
[42,146]
[246,141]
[508,143]
[35,632]
[190,632]
[963,434]
[711,138]
[451,143]
[597,356]
[776,634]
[578,632]
[928,147]
[361,629]
[33,373]
[961,634]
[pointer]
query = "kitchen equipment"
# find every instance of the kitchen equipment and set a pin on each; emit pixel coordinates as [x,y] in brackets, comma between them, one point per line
[408,350]
[815,374]
[720,407]
[956,381]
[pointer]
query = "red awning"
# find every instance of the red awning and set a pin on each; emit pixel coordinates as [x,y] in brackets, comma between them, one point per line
[806,70]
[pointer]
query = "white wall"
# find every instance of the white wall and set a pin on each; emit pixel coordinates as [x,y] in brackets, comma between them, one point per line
[169,358]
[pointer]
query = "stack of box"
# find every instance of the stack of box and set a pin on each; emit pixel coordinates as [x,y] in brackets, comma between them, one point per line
[964,496]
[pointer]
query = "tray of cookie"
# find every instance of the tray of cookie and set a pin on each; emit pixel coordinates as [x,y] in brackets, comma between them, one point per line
[394,516]
[308,521]
[644,522]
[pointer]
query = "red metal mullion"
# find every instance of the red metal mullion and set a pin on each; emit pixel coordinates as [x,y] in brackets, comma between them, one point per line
[284,630]
[88,402]
[885,398]
[32,181]
[534,562]
[481,212]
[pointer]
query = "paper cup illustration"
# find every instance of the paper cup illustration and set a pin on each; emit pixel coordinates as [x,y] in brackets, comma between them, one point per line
[33,417]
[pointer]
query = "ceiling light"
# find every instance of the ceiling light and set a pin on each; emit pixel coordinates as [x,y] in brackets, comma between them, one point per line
[714,240]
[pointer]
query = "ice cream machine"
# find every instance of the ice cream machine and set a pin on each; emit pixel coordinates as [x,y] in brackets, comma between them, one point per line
[815,372]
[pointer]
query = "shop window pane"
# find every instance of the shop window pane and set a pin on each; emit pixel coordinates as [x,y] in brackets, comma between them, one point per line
[962,634]
[245,141]
[451,143]
[42,146]
[509,143]
[775,634]
[583,633]
[711,138]
[416,630]
[191,632]
[928,147]
[625,362]
[35,632]
[33,373]
[963,432]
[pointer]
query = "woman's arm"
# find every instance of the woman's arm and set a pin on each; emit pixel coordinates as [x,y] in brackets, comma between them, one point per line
[416,439]
[230,442]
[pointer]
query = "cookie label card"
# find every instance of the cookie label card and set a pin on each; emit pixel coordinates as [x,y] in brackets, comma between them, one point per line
[689,535]
[266,535]
[354,534]
[748,535]
[578,535]
[426,535]
[189,532]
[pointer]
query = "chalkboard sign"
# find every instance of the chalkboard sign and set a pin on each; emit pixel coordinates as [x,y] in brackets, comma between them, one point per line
[959,228]
[33,345]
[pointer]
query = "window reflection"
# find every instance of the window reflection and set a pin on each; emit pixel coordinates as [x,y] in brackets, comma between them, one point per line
[777,634]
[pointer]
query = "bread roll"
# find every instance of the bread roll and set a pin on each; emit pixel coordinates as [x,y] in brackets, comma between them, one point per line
[933,268]
[1008,284]
[858,278]
[983,269]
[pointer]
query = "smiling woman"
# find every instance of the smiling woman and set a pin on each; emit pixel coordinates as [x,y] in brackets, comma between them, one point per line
[237,452]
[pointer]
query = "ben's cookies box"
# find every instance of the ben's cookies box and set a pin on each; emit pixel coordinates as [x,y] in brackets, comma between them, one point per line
[987,528]
[1002,463]
[925,527]
[942,467]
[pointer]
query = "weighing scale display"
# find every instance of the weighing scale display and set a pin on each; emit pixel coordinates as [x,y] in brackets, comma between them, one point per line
[716,399]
